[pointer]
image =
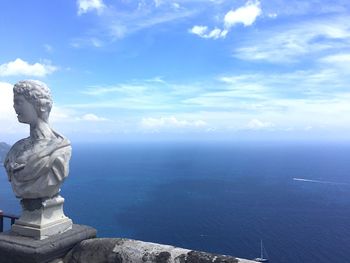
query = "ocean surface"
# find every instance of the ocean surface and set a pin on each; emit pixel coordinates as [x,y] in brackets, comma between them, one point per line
[216,197]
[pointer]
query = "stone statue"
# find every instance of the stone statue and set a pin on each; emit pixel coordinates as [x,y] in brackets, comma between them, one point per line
[37,166]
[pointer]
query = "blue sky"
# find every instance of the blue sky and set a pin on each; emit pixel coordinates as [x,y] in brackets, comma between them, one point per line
[189,69]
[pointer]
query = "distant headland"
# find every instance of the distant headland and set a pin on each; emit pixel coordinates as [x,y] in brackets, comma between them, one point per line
[4,148]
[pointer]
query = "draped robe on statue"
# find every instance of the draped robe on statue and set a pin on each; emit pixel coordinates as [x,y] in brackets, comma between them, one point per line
[36,169]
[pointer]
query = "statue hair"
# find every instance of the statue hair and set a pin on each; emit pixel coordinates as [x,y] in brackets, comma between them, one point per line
[36,93]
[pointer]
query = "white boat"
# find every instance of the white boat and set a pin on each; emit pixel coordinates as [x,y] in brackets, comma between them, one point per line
[262,258]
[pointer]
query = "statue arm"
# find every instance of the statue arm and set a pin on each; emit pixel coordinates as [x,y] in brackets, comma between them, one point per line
[60,164]
[59,169]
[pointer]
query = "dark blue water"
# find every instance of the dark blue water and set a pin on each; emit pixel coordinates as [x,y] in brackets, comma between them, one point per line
[215,197]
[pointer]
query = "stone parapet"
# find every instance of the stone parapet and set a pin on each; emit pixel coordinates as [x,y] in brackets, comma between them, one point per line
[118,250]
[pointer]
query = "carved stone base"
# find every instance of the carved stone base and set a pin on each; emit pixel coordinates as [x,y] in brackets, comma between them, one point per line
[20,249]
[42,218]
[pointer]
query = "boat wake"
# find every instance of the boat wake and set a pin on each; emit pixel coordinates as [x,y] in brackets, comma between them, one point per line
[319,181]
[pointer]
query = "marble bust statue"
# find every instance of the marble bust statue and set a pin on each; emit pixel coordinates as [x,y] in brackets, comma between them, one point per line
[37,166]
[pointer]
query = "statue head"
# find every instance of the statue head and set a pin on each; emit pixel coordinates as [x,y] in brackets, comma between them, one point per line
[32,99]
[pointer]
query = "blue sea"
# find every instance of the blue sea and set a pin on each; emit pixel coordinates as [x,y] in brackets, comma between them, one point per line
[216,197]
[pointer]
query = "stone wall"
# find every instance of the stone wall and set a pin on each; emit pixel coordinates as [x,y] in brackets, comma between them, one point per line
[118,250]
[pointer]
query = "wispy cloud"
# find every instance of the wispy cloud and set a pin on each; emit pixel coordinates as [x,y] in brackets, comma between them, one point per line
[85,6]
[338,61]
[65,115]
[93,117]
[157,124]
[289,43]
[86,42]
[119,25]
[125,89]
[117,21]
[21,67]
[258,101]
[302,7]
[148,94]
[48,48]
[256,124]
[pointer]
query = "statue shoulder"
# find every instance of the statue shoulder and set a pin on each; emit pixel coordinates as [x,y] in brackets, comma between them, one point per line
[17,147]
[19,144]
[63,141]
[55,146]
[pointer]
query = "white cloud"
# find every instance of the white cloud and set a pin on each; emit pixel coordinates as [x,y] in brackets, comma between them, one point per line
[216,33]
[21,67]
[8,119]
[11,130]
[170,122]
[6,101]
[256,124]
[92,117]
[277,102]
[199,30]
[339,62]
[292,42]
[85,6]
[62,115]
[202,31]
[245,15]
[125,89]
[342,59]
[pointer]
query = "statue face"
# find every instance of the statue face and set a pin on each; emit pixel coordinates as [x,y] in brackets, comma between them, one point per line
[26,112]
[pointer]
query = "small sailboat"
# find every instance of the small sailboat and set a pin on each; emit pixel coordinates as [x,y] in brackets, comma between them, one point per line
[262,258]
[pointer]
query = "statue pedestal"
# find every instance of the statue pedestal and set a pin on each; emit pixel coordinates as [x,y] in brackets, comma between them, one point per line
[20,249]
[42,218]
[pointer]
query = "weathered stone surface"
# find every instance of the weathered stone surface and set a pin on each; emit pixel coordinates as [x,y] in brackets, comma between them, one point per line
[118,250]
[98,250]
[19,249]
[42,218]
